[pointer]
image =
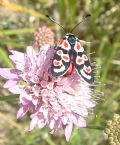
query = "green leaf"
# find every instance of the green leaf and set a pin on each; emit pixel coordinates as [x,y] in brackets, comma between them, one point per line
[4,58]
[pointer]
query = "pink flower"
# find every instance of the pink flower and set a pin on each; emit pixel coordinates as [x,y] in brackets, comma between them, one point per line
[44,35]
[55,102]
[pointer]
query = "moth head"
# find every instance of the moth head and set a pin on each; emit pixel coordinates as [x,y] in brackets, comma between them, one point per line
[71,38]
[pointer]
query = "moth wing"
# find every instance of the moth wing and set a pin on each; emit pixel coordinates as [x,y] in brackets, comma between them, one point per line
[82,63]
[61,59]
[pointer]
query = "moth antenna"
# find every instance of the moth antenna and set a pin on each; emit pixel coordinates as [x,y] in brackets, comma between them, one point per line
[55,22]
[83,19]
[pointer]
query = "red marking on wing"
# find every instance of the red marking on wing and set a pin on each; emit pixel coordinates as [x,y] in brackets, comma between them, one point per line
[78,46]
[88,69]
[59,52]
[85,57]
[66,57]
[65,44]
[56,63]
[60,41]
[79,60]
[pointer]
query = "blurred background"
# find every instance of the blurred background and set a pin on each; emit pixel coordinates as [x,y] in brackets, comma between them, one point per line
[18,21]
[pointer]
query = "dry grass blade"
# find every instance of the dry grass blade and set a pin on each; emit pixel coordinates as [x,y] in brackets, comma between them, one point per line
[20,8]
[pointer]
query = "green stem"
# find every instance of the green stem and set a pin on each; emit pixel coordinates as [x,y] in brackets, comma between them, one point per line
[95,127]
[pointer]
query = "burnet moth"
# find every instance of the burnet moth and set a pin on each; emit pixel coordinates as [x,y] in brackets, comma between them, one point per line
[69,54]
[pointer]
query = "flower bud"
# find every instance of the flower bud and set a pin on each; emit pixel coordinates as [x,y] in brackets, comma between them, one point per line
[43,36]
[113,130]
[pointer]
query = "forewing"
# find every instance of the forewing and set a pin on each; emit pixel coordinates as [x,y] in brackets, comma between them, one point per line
[61,59]
[82,63]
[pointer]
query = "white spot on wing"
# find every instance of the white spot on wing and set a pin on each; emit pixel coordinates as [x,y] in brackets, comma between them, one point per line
[85,75]
[60,69]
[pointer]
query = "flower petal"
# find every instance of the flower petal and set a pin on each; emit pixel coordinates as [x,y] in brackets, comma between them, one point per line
[30,52]
[21,112]
[81,122]
[18,55]
[15,89]
[43,84]
[18,59]
[33,123]
[52,123]
[68,131]
[10,83]
[41,123]
[8,73]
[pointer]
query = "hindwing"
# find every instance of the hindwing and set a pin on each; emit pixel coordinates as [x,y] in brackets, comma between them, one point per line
[82,63]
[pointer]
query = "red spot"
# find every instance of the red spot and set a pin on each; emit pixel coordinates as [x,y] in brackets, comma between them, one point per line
[70,69]
[88,69]
[78,46]
[79,60]
[65,44]
[65,57]
[85,57]
[60,41]
[59,52]
[56,63]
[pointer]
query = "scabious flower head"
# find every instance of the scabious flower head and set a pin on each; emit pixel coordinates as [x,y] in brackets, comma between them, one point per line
[56,102]
[43,35]
[113,130]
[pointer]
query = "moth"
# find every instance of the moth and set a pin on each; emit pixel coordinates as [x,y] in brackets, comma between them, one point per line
[69,54]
